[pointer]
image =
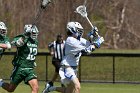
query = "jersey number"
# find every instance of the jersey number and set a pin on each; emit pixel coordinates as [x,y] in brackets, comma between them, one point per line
[32,54]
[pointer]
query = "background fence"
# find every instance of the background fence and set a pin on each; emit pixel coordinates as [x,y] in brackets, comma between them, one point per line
[97,67]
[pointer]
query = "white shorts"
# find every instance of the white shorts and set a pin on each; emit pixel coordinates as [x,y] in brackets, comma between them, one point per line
[67,74]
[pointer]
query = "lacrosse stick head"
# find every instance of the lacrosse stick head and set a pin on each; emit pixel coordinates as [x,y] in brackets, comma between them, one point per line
[81,10]
[44,3]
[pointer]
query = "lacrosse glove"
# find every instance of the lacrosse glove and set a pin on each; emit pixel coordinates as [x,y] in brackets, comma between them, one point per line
[94,37]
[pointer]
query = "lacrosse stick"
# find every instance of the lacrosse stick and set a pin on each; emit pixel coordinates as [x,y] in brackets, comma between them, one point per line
[82,11]
[44,4]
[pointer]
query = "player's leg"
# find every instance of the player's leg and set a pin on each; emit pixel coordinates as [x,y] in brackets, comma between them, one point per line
[50,83]
[70,80]
[69,88]
[72,87]
[75,85]
[34,85]
[55,75]
[31,79]
[58,89]
[49,88]
[8,86]
[72,84]
[56,64]
[16,78]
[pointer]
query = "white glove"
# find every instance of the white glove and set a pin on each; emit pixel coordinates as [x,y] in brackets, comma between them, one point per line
[8,45]
[88,50]
[20,42]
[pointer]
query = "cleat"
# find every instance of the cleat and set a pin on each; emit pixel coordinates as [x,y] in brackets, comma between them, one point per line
[46,89]
[1,82]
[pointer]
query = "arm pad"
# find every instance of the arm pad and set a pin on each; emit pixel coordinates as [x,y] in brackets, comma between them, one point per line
[18,42]
[97,42]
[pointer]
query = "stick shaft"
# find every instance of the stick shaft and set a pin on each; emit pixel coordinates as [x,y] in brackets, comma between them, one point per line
[44,5]
[91,25]
[37,16]
[89,22]
[85,2]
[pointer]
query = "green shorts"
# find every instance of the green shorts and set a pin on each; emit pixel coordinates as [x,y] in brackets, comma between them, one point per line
[22,74]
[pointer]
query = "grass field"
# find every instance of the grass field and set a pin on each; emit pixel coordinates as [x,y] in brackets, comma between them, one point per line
[88,88]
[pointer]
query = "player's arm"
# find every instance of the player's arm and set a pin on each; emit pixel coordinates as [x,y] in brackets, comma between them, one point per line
[88,49]
[77,47]
[6,45]
[89,46]
[50,47]
[18,41]
[82,49]
[85,42]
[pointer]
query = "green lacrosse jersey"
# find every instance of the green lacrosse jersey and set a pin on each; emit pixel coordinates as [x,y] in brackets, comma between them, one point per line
[3,40]
[26,54]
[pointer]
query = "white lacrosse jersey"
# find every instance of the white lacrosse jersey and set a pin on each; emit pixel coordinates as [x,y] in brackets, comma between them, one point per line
[73,49]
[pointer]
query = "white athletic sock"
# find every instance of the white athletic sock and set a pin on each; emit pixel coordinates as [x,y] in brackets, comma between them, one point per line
[1,82]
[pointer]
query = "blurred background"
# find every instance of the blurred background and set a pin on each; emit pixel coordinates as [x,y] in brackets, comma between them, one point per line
[117,61]
[118,20]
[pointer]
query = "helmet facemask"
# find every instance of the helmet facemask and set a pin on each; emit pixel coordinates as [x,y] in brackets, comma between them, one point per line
[34,32]
[75,28]
[3,29]
[3,32]
[34,35]
[80,32]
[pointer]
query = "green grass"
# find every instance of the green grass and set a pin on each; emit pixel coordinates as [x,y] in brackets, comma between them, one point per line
[87,88]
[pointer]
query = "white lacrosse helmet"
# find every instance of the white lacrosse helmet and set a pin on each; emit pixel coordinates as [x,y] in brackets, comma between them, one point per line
[75,28]
[3,29]
[32,29]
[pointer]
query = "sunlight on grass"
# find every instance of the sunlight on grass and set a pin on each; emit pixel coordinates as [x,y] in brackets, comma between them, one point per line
[87,88]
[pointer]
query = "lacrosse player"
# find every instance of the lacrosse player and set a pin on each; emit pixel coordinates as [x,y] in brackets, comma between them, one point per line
[24,60]
[75,46]
[4,40]
[56,49]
